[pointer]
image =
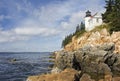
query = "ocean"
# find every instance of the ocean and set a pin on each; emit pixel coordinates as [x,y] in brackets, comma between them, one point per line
[17,66]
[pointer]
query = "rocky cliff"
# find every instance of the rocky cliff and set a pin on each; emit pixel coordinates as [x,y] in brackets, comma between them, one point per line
[95,38]
[98,63]
[95,56]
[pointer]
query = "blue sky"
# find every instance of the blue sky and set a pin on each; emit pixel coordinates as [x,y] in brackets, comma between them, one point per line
[41,25]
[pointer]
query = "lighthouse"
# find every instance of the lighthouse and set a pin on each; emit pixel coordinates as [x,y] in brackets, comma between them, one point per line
[91,21]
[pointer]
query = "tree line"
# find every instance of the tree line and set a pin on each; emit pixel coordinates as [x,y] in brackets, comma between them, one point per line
[68,38]
[112,14]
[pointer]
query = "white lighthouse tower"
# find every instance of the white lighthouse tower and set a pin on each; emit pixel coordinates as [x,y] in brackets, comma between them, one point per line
[92,21]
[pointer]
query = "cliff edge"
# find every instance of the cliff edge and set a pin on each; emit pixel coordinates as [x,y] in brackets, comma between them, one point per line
[94,38]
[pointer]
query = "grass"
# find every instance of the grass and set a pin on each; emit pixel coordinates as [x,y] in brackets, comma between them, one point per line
[99,28]
[80,33]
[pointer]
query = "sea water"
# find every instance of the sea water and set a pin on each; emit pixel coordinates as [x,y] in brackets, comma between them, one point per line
[17,66]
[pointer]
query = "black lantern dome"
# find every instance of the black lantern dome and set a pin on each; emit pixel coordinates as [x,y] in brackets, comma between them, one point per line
[88,14]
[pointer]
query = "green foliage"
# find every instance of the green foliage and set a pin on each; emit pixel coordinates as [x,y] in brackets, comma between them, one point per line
[80,29]
[77,28]
[115,25]
[82,26]
[67,40]
[109,8]
[99,28]
[78,34]
[112,15]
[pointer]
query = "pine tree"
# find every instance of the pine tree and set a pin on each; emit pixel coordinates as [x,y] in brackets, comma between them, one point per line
[67,40]
[80,29]
[77,28]
[82,25]
[115,22]
[109,8]
[112,14]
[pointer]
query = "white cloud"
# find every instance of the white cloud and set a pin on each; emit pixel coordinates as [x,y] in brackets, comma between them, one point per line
[2,17]
[30,31]
[10,36]
[26,33]
[26,30]
[32,27]
[74,19]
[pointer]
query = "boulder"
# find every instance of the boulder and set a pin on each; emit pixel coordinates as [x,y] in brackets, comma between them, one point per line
[64,60]
[94,68]
[110,59]
[116,65]
[56,70]
[86,77]
[91,60]
[107,47]
[116,79]
[108,78]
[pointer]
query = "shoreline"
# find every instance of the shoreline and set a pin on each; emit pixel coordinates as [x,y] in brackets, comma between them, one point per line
[86,64]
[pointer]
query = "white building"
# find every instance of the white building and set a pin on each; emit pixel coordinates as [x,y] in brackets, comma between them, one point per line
[92,21]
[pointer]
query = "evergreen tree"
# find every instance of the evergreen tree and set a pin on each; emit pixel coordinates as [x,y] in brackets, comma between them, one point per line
[80,29]
[115,22]
[112,14]
[82,25]
[67,40]
[77,28]
[109,8]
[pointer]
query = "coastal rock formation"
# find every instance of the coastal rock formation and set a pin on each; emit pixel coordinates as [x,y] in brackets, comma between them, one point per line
[93,39]
[95,56]
[64,59]
[90,63]
[98,60]
[88,58]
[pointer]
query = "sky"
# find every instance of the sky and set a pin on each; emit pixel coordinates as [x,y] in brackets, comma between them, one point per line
[41,25]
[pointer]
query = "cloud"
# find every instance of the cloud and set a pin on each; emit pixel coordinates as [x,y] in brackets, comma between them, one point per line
[2,17]
[26,30]
[26,33]
[10,36]
[32,27]
[30,31]
[74,19]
